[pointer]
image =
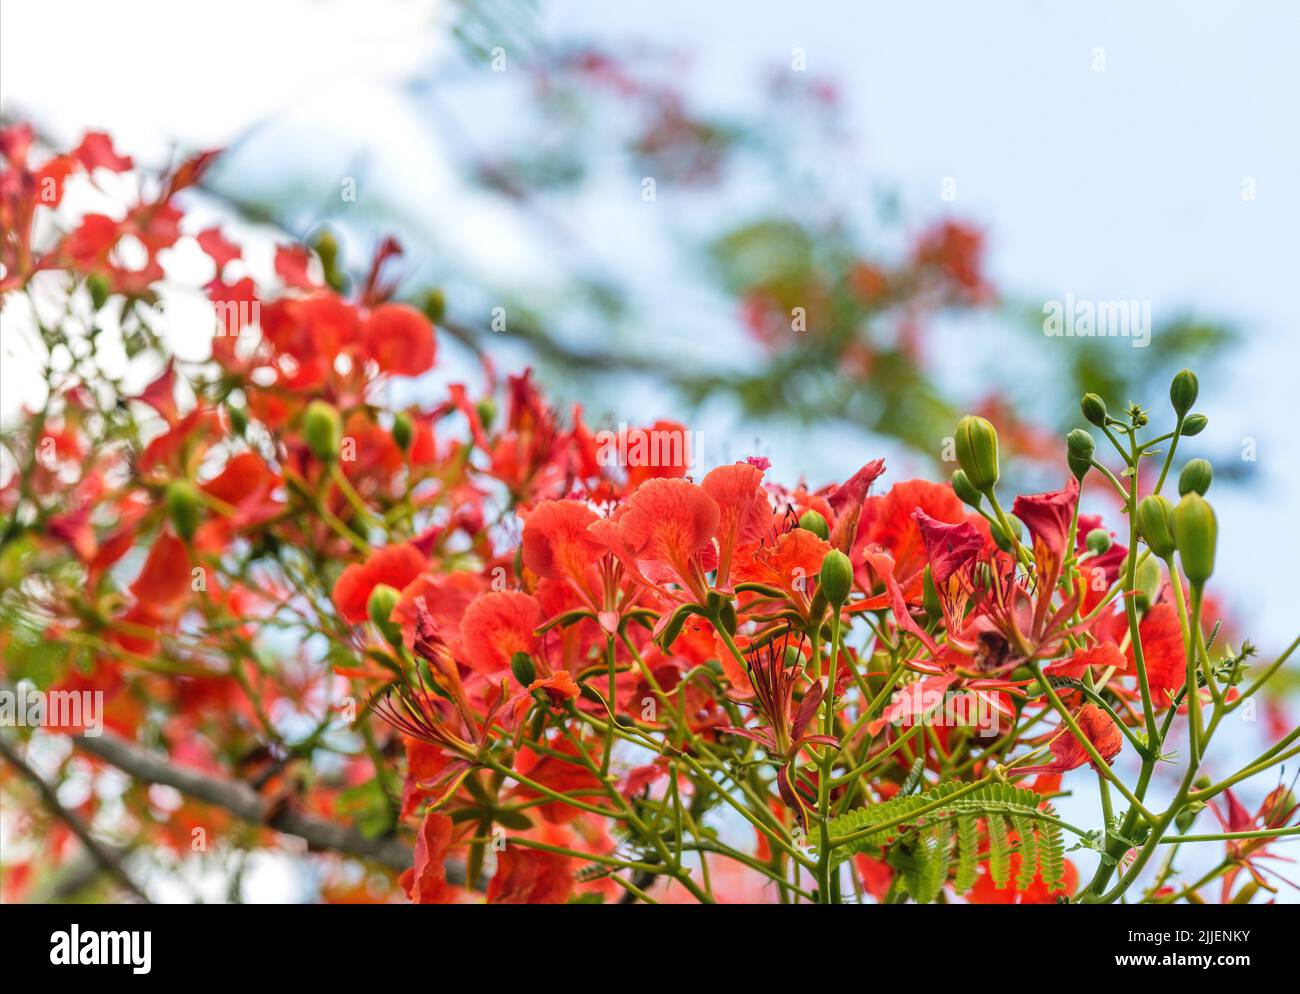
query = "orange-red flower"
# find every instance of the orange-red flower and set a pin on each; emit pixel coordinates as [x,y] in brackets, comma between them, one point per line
[665,530]
[400,339]
[426,881]
[1068,751]
[395,565]
[530,876]
[743,511]
[496,626]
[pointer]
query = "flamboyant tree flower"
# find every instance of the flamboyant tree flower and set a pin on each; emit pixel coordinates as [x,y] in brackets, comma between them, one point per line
[583,657]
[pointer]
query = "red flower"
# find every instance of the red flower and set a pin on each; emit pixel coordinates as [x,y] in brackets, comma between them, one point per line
[1048,517]
[1162,649]
[530,876]
[1099,657]
[744,510]
[165,576]
[986,891]
[791,565]
[557,689]
[496,626]
[1276,811]
[666,529]
[1069,752]
[847,501]
[426,881]
[395,565]
[400,339]
[888,523]
[773,673]
[558,546]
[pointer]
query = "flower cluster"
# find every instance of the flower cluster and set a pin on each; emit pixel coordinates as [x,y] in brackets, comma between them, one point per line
[574,679]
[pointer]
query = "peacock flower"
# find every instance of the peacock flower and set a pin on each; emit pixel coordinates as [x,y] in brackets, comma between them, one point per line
[774,670]
[743,511]
[559,544]
[664,532]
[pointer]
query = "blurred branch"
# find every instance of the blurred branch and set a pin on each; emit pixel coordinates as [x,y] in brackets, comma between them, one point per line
[245,803]
[107,859]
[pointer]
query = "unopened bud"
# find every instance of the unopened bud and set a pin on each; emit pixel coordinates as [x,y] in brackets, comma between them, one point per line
[238,419]
[835,579]
[327,250]
[380,606]
[487,411]
[1098,541]
[1194,424]
[812,521]
[402,430]
[1146,584]
[966,493]
[1080,443]
[1079,447]
[97,284]
[521,665]
[1153,524]
[1005,541]
[1196,477]
[184,507]
[1183,391]
[1094,409]
[323,430]
[435,306]
[1196,533]
[977,451]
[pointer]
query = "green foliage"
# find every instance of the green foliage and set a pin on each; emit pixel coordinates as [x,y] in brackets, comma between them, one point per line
[923,848]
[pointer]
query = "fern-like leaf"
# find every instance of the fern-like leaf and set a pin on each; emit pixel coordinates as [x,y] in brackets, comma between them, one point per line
[923,834]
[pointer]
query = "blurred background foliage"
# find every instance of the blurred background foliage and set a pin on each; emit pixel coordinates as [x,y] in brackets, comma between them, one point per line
[683,252]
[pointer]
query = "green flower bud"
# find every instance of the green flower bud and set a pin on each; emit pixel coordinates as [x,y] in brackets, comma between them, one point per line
[1194,424]
[1002,538]
[1146,584]
[238,419]
[1098,541]
[327,249]
[1080,443]
[966,493]
[1196,533]
[1094,409]
[323,430]
[435,306]
[1183,391]
[487,411]
[1196,476]
[184,507]
[977,451]
[98,287]
[812,521]
[402,430]
[383,599]
[1153,524]
[1184,819]
[835,579]
[521,665]
[1078,467]
[1079,447]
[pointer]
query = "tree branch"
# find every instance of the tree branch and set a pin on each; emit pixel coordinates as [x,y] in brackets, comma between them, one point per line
[245,803]
[107,859]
